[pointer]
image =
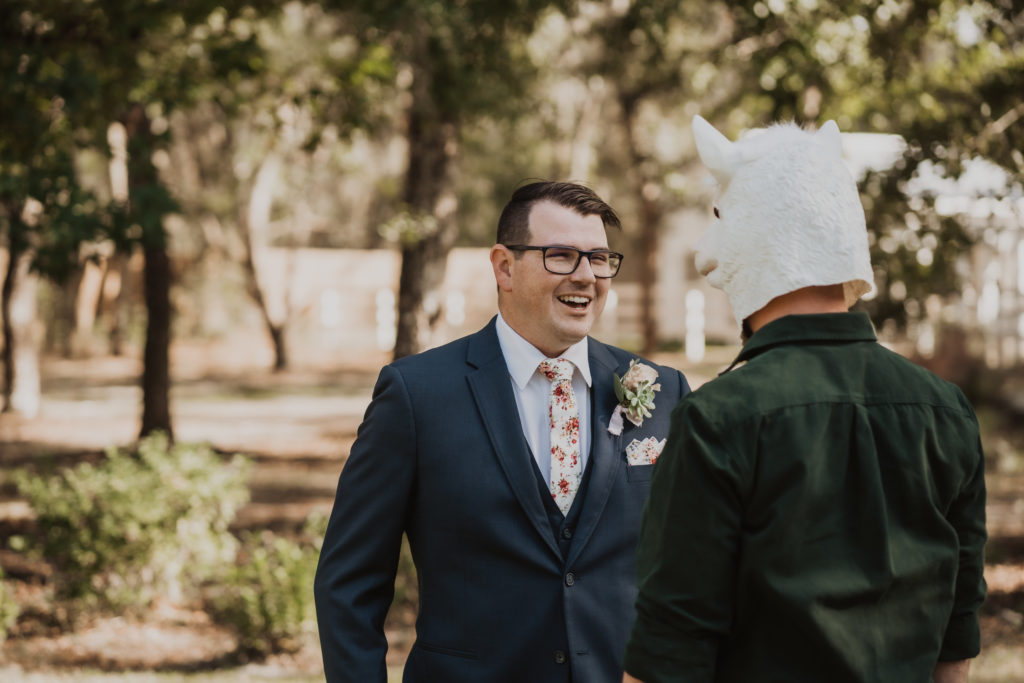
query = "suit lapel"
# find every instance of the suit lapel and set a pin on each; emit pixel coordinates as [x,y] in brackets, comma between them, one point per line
[604,446]
[492,391]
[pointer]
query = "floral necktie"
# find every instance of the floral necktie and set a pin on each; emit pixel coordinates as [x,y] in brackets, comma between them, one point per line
[564,421]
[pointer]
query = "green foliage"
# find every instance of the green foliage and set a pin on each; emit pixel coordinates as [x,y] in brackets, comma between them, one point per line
[268,596]
[42,205]
[409,227]
[303,80]
[314,88]
[945,76]
[470,56]
[133,527]
[9,608]
[916,250]
[71,69]
[313,64]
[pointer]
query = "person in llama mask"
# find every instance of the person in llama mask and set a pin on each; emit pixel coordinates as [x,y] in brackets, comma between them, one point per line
[818,512]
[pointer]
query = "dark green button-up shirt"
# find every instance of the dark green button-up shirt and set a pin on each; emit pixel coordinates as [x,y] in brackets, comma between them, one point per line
[818,514]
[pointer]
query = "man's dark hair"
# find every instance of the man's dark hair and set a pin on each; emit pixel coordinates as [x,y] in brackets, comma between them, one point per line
[514,223]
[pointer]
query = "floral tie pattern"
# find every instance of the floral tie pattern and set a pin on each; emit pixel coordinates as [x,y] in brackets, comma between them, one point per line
[564,421]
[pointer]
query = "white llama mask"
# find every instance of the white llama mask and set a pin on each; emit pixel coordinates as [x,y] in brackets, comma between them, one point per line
[790,216]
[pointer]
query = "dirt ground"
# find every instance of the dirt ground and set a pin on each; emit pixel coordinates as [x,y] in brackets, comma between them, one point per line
[298,426]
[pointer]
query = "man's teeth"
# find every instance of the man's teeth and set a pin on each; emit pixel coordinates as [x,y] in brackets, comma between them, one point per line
[582,300]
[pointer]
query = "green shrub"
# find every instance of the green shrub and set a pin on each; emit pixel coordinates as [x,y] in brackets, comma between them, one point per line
[267,598]
[133,527]
[9,608]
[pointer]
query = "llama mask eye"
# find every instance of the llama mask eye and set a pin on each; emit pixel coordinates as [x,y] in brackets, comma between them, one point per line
[718,214]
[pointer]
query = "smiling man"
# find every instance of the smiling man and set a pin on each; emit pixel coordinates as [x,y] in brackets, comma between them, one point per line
[505,458]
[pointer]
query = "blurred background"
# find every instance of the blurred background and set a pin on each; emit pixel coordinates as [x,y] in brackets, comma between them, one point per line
[219,218]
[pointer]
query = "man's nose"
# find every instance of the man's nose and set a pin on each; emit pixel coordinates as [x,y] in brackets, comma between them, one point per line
[584,272]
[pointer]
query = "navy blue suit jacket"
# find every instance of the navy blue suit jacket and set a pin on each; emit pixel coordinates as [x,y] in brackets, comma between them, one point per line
[441,456]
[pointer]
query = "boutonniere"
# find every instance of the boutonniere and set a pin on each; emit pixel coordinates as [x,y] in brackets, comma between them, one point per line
[635,391]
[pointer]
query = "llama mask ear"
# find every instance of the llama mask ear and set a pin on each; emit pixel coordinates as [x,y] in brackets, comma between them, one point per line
[828,135]
[716,151]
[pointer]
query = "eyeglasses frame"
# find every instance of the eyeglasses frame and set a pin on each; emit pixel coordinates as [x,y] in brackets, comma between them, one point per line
[580,253]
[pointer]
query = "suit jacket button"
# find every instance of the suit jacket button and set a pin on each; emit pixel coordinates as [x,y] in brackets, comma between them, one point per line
[567,533]
[559,657]
[570,579]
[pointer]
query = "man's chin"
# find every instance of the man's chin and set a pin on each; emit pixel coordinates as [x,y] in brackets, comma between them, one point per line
[572,331]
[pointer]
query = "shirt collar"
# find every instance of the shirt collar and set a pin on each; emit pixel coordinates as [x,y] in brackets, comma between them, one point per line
[522,357]
[799,329]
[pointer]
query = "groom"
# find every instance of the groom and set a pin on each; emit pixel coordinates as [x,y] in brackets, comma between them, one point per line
[496,455]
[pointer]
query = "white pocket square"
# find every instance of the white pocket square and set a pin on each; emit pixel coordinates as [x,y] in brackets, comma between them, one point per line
[644,452]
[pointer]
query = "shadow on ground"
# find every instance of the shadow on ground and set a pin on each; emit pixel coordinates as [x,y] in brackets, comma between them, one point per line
[298,428]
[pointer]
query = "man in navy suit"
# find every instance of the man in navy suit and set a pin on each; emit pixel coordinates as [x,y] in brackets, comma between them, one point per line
[495,456]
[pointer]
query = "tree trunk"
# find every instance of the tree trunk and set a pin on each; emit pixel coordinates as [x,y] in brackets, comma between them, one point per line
[252,286]
[647,196]
[156,376]
[275,330]
[6,295]
[114,305]
[650,222]
[277,336]
[433,138]
[419,296]
[62,327]
[21,388]
[253,222]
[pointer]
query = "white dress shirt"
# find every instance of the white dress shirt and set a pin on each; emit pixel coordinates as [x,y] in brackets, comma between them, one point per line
[532,391]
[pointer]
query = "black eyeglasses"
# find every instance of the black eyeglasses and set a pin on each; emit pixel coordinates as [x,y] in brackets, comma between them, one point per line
[565,260]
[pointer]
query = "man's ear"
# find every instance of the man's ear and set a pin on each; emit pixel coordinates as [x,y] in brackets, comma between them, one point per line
[503,262]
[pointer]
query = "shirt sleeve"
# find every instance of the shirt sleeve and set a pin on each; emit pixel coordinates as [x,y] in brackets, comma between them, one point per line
[687,553]
[967,515]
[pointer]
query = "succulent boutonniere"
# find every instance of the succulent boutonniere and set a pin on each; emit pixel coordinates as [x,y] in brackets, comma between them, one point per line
[635,391]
